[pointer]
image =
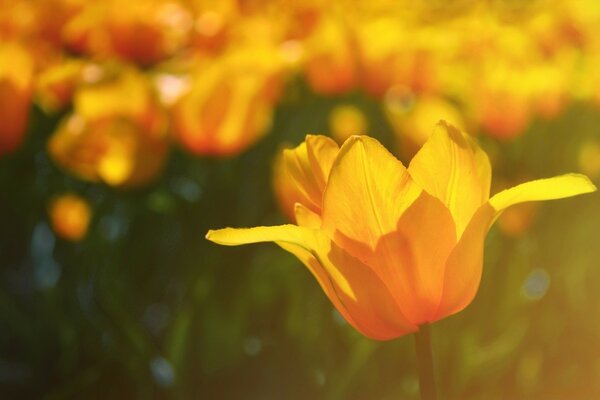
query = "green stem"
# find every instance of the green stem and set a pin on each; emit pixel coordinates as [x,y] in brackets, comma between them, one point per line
[425,363]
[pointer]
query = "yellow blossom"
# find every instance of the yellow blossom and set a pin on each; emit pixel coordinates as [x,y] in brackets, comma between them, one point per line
[117,133]
[394,247]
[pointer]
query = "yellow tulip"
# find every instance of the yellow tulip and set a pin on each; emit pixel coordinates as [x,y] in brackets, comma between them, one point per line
[393,247]
[116,134]
[230,103]
[330,66]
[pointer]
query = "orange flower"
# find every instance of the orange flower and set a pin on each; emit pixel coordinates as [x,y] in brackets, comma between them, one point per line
[330,61]
[70,216]
[147,31]
[393,247]
[117,133]
[230,104]
[16,70]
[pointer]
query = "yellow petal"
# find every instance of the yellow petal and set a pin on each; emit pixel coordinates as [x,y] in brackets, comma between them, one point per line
[453,168]
[557,187]
[411,260]
[367,192]
[322,151]
[300,174]
[238,236]
[358,293]
[464,265]
[307,218]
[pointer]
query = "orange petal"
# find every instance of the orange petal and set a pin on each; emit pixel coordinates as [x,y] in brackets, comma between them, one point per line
[411,260]
[358,293]
[453,168]
[300,174]
[367,192]
[307,218]
[465,264]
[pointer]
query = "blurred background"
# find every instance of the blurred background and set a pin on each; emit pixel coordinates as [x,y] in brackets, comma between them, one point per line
[130,128]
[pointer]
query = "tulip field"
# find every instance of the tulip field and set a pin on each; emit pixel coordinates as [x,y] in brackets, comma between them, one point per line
[337,200]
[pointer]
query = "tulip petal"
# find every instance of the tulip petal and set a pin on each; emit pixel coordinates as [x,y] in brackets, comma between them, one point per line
[358,293]
[558,187]
[465,264]
[367,192]
[453,168]
[411,260]
[322,151]
[300,174]
[307,218]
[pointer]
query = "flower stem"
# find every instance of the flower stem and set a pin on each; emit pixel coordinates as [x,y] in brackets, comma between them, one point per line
[425,363]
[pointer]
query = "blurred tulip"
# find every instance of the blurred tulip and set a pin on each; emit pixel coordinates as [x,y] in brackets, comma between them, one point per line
[392,54]
[345,121]
[70,216]
[413,124]
[144,32]
[84,33]
[55,85]
[330,65]
[393,247]
[148,31]
[212,23]
[16,74]
[230,103]
[502,114]
[117,133]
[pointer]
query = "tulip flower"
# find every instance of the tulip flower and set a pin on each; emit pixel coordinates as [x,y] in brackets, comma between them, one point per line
[394,248]
[330,65]
[116,134]
[230,104]
[147,31]
[16,75]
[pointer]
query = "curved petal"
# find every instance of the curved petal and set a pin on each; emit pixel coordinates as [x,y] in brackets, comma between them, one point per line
[463,268]
[367,192]
[453,168]
[358,294]
[322,151]
[411,260]
[300,174]
[558,187]
[307,218]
